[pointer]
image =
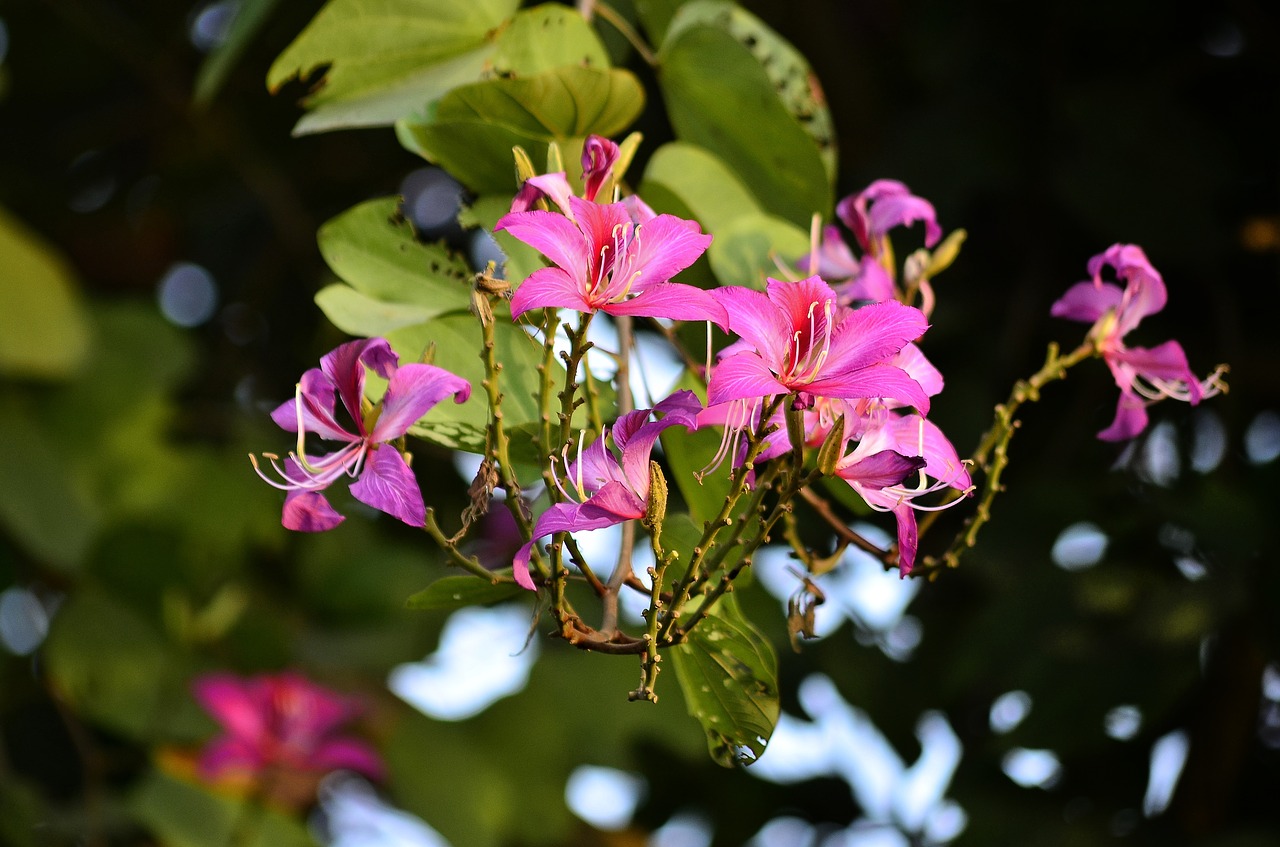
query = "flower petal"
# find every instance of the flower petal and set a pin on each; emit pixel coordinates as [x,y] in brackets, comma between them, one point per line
[1086,301]
[551,234]
[674,301]
[344,365]
[1130,419]
[549,288]
[742,376]
[347,753]
[661,248]
[412,392]
[871,334]
[387,484]
[234,702]
[309,511]
[879,380]
[754,317]
[880,470]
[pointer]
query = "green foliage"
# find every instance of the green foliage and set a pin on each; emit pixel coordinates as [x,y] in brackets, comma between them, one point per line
[714,79]
[458,592]
[387,59]
[471,130]
[43,327]
[392,279]
[185,814]
[728,672]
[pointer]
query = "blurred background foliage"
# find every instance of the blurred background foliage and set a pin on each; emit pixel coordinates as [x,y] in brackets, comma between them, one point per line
[133,532]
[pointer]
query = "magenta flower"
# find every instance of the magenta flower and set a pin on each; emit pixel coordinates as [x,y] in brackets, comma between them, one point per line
[883,205]
[599,155]
[888,453]
[1144,375]
[606,260]
[384,480]
[797,340]
[279,725]
[607,491]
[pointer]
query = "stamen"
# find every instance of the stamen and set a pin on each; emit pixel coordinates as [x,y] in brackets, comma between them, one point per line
[582,435]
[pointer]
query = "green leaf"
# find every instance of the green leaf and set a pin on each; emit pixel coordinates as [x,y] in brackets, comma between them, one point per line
[547,37]
[728,674]
[704,184]
[790,76]
[472,129]
[111,665]
[388,58]
[248,19]
[457,342]
[43,327]
[719,96]
[747,250]
[456,592]
[373,249]
[183,814]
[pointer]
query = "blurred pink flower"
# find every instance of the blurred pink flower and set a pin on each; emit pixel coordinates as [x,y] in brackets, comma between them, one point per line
[279,725]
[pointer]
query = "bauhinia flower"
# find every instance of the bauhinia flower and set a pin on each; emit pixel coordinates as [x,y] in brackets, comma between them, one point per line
[870,215]
[280,732]
[796,340]
[605,259]
[894,448]
[601,490]
[383,478]
[1143,374]
[881,206]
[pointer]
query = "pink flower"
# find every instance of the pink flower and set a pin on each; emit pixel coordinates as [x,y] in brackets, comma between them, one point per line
[883,205]
[606,260]
[1144,375]
[797,340]
[890,450]
[384,480]
[279,724]
[609,492]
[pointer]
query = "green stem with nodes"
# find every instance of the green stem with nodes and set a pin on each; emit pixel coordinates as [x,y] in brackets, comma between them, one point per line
[992,453]
[649,667]
[546,448]
[497,444]
[783,507]
[569,401]
[622,567]
[468,563]
[755,446]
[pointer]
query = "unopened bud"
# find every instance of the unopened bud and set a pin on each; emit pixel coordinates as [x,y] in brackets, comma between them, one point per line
[945,253]
[832,449]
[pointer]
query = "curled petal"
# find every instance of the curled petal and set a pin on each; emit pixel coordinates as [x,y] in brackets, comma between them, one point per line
[880,470]
[1130,419]
[343,365]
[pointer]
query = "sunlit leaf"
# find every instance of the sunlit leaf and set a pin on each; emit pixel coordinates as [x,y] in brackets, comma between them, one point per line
[703,183]
[719,96]
[388,58]
[456,592]
[728,673]
[546,37]
[748,250]
[471,131]
[43,329]
[372,248]
[790,76]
